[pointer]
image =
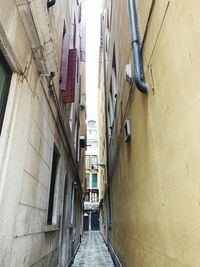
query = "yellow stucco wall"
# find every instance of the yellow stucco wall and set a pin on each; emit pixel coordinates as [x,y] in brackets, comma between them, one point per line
[155,185]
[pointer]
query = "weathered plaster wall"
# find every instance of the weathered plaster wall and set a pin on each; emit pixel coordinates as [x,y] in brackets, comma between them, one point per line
[155,177]
[102,141]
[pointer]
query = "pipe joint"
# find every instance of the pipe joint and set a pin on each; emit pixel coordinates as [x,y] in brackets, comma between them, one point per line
[141,85]
[135,44]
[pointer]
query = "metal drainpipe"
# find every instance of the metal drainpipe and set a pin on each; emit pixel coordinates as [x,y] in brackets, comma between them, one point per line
[50,3]
[135,44]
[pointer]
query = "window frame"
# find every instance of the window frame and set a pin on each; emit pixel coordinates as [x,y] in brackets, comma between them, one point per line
[88,181]
[94,160]
[53,192]
[94,175]
[6,88]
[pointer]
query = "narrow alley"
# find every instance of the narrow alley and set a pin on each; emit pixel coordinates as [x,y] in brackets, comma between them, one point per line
[93,252]
[99,133]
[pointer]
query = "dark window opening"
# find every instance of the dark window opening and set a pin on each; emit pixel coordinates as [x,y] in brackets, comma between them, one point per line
[95,196]
[5,78]
[64,60]
[54,171]
[94,180]
[87,180]
[88,165]
[74,34]
[94,160]
[87,196]
[114,74]
[114,66]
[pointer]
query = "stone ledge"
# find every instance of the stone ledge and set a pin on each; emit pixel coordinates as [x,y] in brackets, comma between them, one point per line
[52,228]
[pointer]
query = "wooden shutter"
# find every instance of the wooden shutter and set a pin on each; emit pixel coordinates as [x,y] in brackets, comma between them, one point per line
[69,94]
[64,62]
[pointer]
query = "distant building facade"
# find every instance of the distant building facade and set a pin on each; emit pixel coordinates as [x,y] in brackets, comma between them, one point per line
[103,174]
[91,196]
[40,154]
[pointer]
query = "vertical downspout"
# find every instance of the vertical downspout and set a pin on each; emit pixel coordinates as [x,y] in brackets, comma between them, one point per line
[135,44]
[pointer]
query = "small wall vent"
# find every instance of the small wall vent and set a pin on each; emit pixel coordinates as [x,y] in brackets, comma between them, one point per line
[127,130]
[128,74]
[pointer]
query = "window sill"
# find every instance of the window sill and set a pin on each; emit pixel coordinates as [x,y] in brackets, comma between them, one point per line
[52,228]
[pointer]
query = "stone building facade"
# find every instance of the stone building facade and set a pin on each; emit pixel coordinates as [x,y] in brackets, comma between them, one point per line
[40,154]
[153,139]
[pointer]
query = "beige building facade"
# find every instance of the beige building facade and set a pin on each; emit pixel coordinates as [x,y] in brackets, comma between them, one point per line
[154,165]
[40,154]
[102,142]
[92,185]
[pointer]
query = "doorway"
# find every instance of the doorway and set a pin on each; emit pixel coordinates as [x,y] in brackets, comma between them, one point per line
[85,221]
[95,221]
[65,222]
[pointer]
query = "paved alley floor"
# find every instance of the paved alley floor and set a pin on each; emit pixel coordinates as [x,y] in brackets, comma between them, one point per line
[93,252]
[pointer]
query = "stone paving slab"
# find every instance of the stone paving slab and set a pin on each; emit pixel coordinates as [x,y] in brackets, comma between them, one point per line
[93,252]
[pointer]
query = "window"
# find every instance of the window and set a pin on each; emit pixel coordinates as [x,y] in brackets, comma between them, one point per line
[5,77]
[93,144]
[64,61]
[74,33]
[94,160]
[114,73]
[70,110]
[87,162]
[75,133]
[91,123]
[82,101]
[87,180]
[87,196]
[94,180]
[113,93]
[95,196]
[54,171]
[92,132]
[111,105]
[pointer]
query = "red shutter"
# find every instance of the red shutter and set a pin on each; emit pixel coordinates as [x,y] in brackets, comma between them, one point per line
[64,62]
[69,94]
